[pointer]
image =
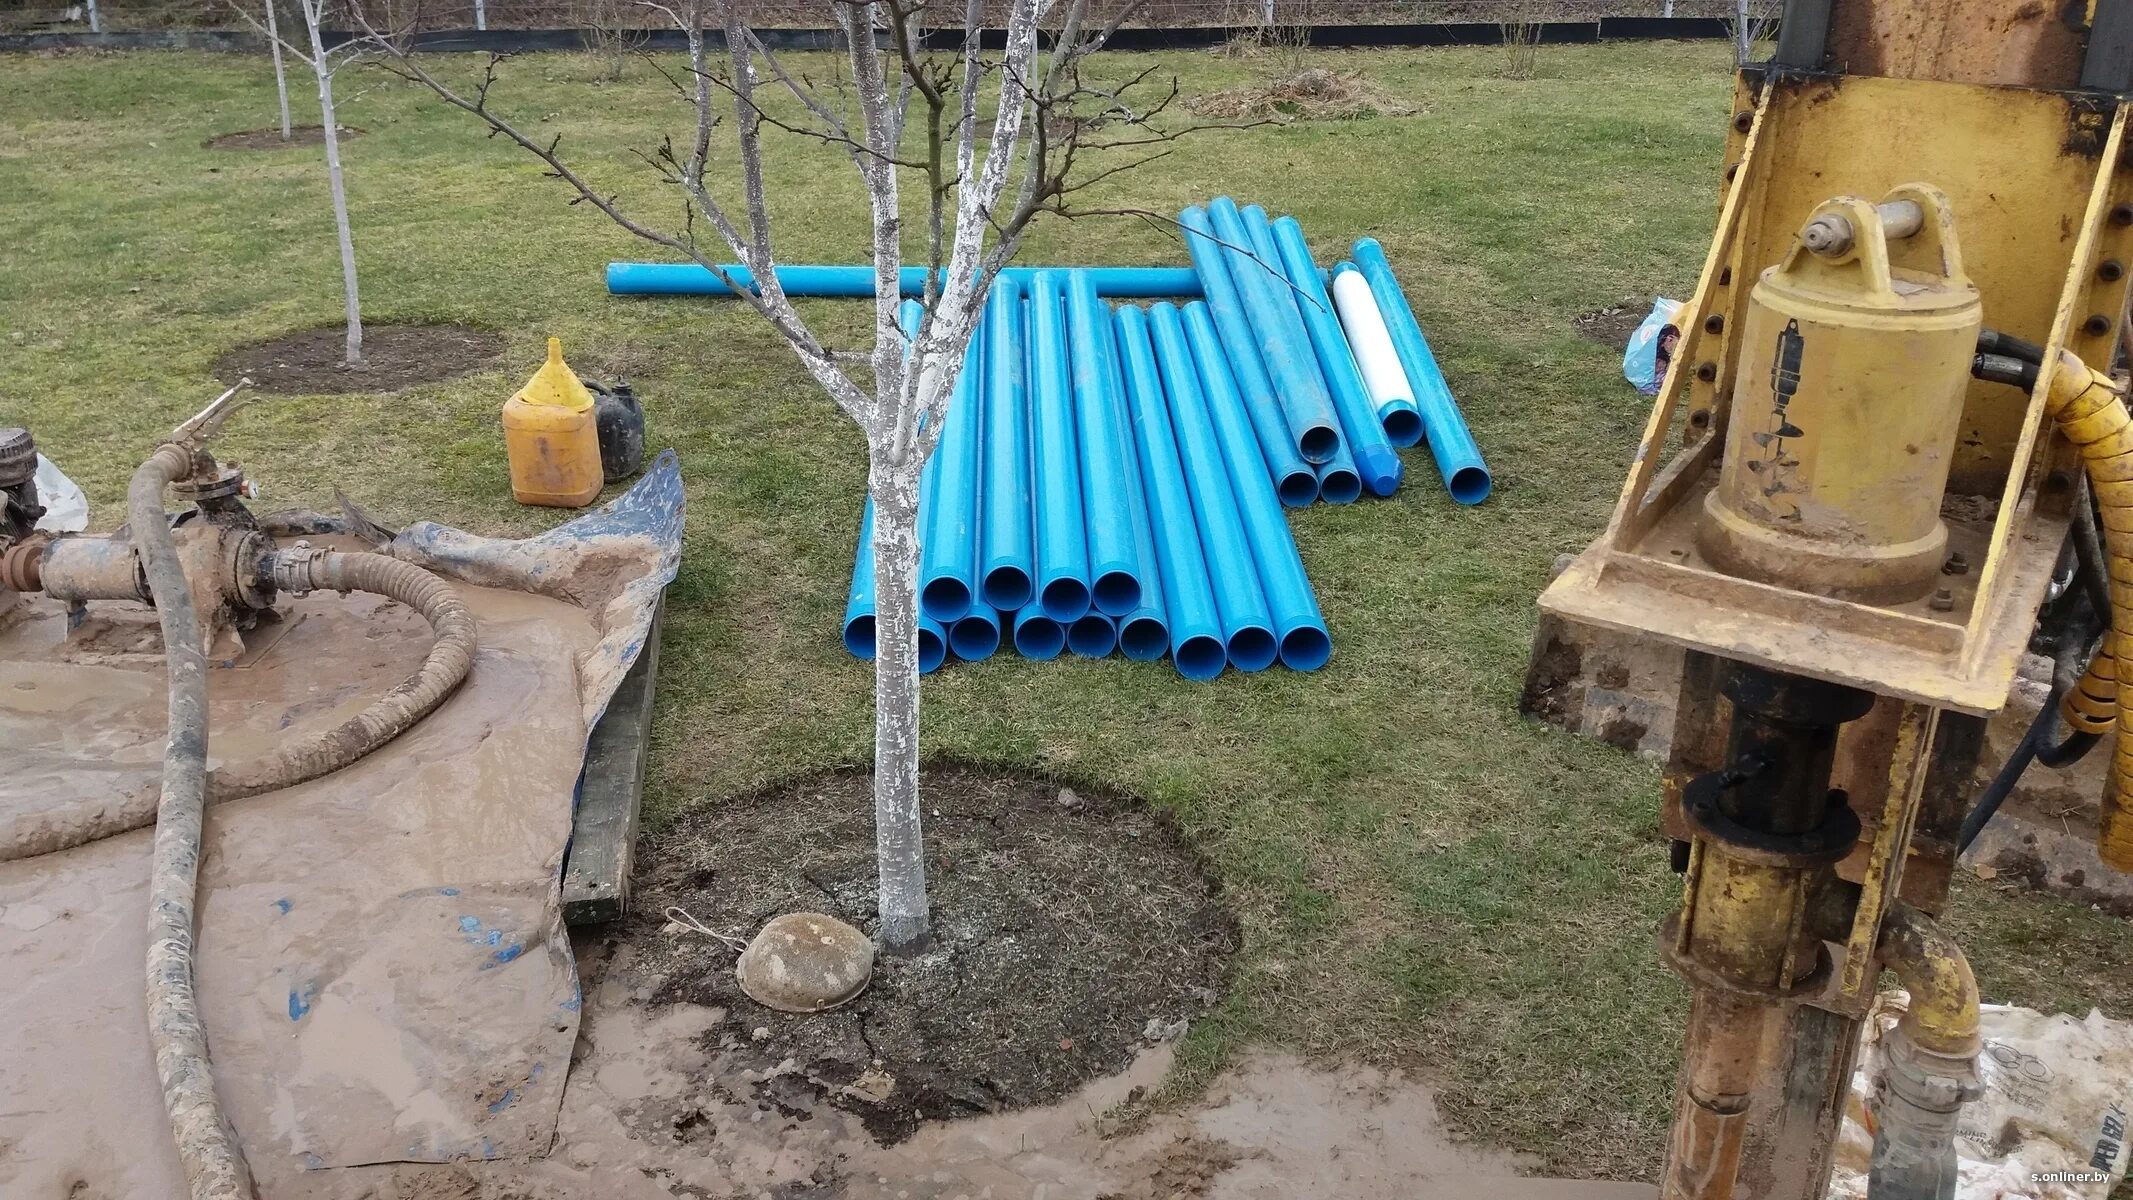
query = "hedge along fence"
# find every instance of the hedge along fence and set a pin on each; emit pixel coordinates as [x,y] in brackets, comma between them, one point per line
[505,41]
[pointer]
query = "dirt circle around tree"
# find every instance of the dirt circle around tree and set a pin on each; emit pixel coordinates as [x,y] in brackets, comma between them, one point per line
[1072,929]
[313,362]
[270,138]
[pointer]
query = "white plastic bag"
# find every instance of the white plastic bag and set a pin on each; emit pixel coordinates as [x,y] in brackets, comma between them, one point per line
[1640,359]
[66,509]
[2051,1124]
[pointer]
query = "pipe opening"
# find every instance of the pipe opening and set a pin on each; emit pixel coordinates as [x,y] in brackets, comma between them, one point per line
[1065,600]
[1143,639]
[1470,485]
[975,637]
[1253,648]
[1318,443]
[1006,588]
[1093,636]
[859,636]
[1117,593]
[1039,637]
[1306,648]
[932,651]
[945,599]
[1340,487]
[1403,427]
[1297,489]
[1201,657]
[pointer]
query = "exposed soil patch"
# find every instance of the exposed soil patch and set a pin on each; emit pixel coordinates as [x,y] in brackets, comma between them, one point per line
[1071,930]
[311,362]
[1312,94]
[271,139]
[1612,325]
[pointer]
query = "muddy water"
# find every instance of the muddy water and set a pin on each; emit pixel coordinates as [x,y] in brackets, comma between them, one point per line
[380,964]
[650,1114]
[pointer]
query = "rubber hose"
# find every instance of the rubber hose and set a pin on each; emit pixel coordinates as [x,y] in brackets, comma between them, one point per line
[390,715]
[29,834]
[214,1167]
[2092,414]
[1992,341]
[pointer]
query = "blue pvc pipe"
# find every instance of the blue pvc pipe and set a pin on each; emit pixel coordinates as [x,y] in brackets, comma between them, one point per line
[1338,480]
[1305,645]
[693,279]
[1362,432]
[1062,534]
[1007,564]
[1144,633]
[948,513]
[1247,626]
[1452,444]
[1093,636]
[976,634]
[1289,363]
[1196,643]
[859,607]
[1293,480]
[1115,563]
[1038,636]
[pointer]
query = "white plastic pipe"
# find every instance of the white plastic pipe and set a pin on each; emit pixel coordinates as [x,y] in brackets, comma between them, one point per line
[1364,324]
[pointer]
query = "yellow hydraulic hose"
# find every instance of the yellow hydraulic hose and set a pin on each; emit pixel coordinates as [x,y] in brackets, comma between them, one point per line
[2091,705]
[2091,411]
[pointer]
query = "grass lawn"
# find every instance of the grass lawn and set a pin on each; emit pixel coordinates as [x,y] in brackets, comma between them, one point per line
[1424,877]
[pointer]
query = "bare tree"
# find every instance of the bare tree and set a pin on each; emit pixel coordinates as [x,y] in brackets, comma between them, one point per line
[905,111]
[1751,22]
[324,63]
[281,78]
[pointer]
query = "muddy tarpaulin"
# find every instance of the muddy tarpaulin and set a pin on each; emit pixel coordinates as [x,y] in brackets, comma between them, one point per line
[382,962]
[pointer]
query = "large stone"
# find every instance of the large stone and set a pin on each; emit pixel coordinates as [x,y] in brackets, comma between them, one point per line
[806,962]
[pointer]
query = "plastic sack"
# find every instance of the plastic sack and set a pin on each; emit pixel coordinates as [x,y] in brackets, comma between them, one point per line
[66,509]
[2051,1124]
[1641,364]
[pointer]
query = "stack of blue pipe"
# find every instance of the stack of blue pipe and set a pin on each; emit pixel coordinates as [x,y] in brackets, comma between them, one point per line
[1098,487]
[1112,480]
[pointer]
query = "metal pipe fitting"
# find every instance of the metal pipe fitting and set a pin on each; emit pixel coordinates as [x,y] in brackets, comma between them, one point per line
[1831,235]
[1930,1062]
[91,568]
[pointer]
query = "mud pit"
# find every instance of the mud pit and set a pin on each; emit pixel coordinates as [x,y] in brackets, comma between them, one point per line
[1070,930]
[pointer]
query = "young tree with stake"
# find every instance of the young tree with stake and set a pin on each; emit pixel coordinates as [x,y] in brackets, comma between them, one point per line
[324,63]
[905,112]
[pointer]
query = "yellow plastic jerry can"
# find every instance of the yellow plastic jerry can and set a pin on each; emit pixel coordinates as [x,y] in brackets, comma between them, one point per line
[552,437]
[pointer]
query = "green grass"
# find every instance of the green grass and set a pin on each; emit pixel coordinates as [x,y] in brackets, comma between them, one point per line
[1424,877]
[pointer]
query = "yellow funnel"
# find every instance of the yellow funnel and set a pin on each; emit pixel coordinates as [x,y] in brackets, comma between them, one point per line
[555,384]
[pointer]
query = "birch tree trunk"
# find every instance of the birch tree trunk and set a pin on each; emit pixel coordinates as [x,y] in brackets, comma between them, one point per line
[899,844]
[96,19]
[332,135]
[281,79]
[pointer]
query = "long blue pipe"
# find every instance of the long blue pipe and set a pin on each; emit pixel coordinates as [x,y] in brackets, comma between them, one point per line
[1305,645]
[1294,481]
[1247,626]
[948,513]
[1007,562]
[1450,441]
[1144,633]
[1196,643]
[976,634]
[1062,534]
[1115,563]
[694,279]
[1037,636]
[1093,636]
[1339,482]
[859,607]
[1289,363]
[1361,430]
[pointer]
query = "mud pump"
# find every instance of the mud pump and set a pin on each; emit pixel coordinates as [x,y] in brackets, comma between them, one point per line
[1887,440]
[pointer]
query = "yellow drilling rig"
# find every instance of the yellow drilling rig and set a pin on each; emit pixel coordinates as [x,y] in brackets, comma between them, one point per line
[1889,456]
